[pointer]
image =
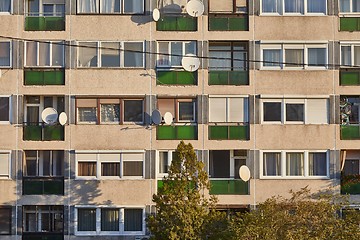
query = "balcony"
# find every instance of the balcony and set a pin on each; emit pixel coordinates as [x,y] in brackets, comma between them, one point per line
[42,132]
[349,24]
[349,77]
[177,132]
[42,76]
[43,185]
[177,23]
[176,78]
[34,22]
[223,22]
[229,187]
[240,132]
[236,78]
[350,132]
[350,184]
[42,236]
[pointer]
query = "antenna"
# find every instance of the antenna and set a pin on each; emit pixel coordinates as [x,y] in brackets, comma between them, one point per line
[62,118]
[156,14]
[195,8]
[49,115]
[156,117]
[168,118]
[244,173]
[190,62]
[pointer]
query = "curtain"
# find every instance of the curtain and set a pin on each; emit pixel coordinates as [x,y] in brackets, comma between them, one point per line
[356,5]
[344,5]
[294,164]
[342,159]
[272,6]
[44,54]
[110,113]
[5,6]
[294,57]
[357,55]
[316,6]
[317,56]
[32,116]
[31,54]
[87,168]
[272,164]
[133,168]
[317,164]
[176,49]
[272,57]
[294,6]
[110,169]
[87,54]
[57,54]
[86,220]
[109,219]
[110,6]
[88,6]
[132,54]
[163,60]
[345,55]
[133,6]
[133,219]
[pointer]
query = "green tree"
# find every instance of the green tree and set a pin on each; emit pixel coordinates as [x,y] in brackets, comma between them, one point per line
[299,217]
[184,210]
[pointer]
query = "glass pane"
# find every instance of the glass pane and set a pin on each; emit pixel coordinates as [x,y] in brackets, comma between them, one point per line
[87,169]
[88,6]
[110,113]
[356,5]
[344,5]
[110,54]
[48,9]
[133,6]
[133,110]
[240,60]
[87,114]
[357,55]
[33,7]
[4,109]
[31,54]
[109,219]
[86,220]
[186,111]
[272,6]
[272,164]
[317,56]
[110,169]
[48,102]
[133,168]
[133,219]
[87,54]
[176,53]
[351,167]
[317,164]
[272,111]
[294,6]
[272,57]
[5,6]
[4,53]
[346,55]
[44,54]
[32,115]
[5,220]
[163,162]
[294,57]
[219,164]
[133,54]
[316,6]
[295,112]
[57,54]
[46,164]
[190,47]
[110,6]
[30,222]
[294,164]
[220,60]
[163,60]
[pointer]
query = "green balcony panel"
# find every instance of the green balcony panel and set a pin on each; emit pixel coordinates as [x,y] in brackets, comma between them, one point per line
[55,187]
[48,23]
[35,186]
[32,187]
[238,24]
[54,133]
[32,133]
[177,23]
[238,133]
[176,133]
[176,78]
[44,77]
[231,23]
[229,132]
[349,78]
[350,184]
[237,78]
[166,132]
[218,133]
[349,132]
[349,24]
[229,187]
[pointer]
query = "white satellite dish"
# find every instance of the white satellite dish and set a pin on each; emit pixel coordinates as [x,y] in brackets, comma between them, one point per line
[62,118]
[156,117]
[190,62]
[244,173]
[156,14]
[195,8]
[49,115]
[168,118]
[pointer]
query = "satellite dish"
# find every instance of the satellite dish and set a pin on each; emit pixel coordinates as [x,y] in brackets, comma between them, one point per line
[62,118]
[156,14]
[156,117]
[244,173]
[168,118]
[190,62]
[49,115]
[195,8]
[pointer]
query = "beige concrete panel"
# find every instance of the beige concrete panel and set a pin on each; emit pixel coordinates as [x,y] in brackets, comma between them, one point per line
[8,192]
[8,81]
[348,90]
[229,90]
[106,82]
[42,200]
[286,136]
[235,199]
[109,137]
[10,24]
[102,27]
[7,136]
[171,90]
[346,36]
[300,82]
[112,192]
[294,28]
[43,90]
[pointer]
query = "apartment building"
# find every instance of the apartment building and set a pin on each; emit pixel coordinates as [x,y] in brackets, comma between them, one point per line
[277,90]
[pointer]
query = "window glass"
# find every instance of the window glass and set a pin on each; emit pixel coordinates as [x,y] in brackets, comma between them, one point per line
[4,53]
[272,6]
[163,60]
[110,54]
[43,219]
[86,219]
[272,164]
[5,220]
[294,6]
[109,219]
[87,54]
[317,164]
[317,57]
[133,168]
[4,164]
[110,169]
[316,6]
[351,167]
[272,57]
[133,6]
[294,164]
[110,113]
[87,169]
[5,6]
[176,53]
[4,109]
[357,55]
[87,114]
[133,110]
[133,219]
[57,54]
[44,54]
[163,162]
[294,112]
[355,5]
[110,6]
[88,6]
[186,111]
[346,55]
[294,57]
[31,54]
[133,56]
[272,111]
[219,164]
[344,5]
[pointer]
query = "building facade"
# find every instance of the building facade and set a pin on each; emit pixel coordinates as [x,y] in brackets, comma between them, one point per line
[277,90]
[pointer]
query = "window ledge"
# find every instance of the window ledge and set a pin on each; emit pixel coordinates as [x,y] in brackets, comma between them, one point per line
[295,178]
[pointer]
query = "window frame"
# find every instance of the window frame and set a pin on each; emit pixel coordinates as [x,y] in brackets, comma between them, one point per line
[98,231]
[99,10]
[99,52]
[41,106]
[245,110]
[169,53]
[11,9]
[41,8]
[39,210]
[176,108]
[8,175]
[169,161]
[306,168]
[234,6]
[10,110]
[351,7]
[9,209]
[283,13]
[10,53]
[352,46]
[51,43]
[40,163]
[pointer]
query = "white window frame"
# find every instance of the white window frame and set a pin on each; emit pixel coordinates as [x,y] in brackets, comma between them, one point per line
[41,7]
[50,54]
[99,9]
[178,101]
[170,66]
[352,46]
[98,231]
[306,13]
[232,165]
[10,54]
[10,110]
[11,9]
[351,9]
[306,164]
[227,98]
[40,105]
[98,162]
[8,175]
[169,160]
[98,54]
[283,46]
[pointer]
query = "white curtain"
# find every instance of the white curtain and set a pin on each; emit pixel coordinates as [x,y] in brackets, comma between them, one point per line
[344,5]
[317,56]
[44,54]
[133,6]
[294,6]
[272,6]
[31,53]
[110,6]
[316,6]
[88,6]
[272,164]
[87,54]
[345,55]
[294,164]
[271,57]
[5,6]
[317,164]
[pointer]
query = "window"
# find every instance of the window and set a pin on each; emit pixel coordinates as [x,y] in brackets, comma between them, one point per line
[4,109]
[34,105]
[5,6]
[228,56]
[164,161]
[294,164]
[45,7]
[44,54]
[228,109]
[5,220]
[43,163]
[295,111]
[111,54]
[112,111]
[226,163]
[173,53]
[4,165]
[228,6]
[109,221]
[183,110]
[294,56]
[350,54]
[351,167]
[43,219]
[110,6]
[299,7]
[172,6]
[5,53]
[349,6]
[110,165]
